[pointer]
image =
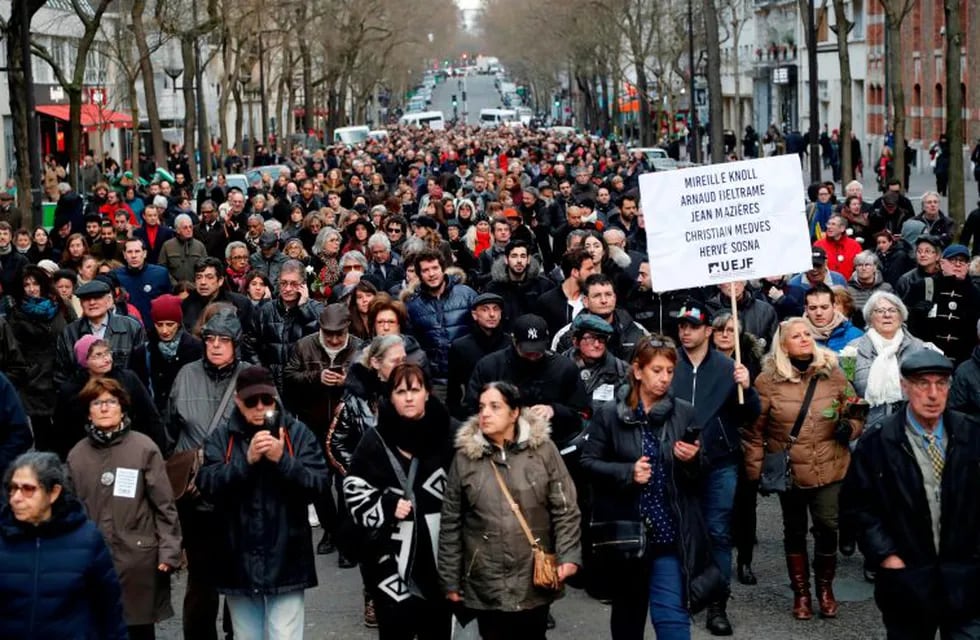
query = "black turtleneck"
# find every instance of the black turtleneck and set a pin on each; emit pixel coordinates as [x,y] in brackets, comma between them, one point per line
[801,364]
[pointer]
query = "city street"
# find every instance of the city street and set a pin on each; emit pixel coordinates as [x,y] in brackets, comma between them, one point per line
[762,612]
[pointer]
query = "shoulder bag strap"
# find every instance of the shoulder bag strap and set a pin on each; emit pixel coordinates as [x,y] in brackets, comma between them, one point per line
[407,483]
[803,409]
[513,506]
[225,399]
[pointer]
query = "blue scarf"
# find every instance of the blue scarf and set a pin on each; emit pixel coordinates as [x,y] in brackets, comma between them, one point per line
[43,308]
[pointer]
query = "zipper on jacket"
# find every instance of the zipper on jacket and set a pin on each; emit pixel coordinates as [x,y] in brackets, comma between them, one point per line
[476,554]
[564,501]
[37,571]
[694,387]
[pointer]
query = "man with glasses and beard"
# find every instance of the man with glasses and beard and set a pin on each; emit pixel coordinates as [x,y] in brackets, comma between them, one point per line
[261,468]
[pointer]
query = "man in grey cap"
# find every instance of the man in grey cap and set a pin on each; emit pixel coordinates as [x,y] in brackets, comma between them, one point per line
[122,332]
[268,259]
[910,491]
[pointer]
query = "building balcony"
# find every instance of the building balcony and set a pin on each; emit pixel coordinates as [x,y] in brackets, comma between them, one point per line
[773,55]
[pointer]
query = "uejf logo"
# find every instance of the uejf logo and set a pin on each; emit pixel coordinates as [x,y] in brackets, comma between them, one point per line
[730,266]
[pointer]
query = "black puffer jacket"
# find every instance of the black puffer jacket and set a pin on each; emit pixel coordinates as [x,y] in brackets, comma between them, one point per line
[275,329]
[608,456]
[520,297]
[964,395]
[264,546]
[357,412]
[553,380]
[884,496]
[36,339]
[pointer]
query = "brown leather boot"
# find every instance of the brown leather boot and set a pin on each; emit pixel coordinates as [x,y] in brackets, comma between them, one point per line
[824,568]
[799,580]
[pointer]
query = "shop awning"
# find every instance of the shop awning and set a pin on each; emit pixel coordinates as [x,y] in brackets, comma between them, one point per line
[93,117]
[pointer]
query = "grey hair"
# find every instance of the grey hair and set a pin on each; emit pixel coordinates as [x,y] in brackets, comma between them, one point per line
[234,244]
[258,197]
[321,239]
[867,257]
[45,465]
[181,219]
[294,266]
[379,208]
[354,256]
[379,346]
[64,187]
[272,226]
[614,233]
[878,296]
[255,217]
[379,239]
[577,233]
[852,184]
[928,194]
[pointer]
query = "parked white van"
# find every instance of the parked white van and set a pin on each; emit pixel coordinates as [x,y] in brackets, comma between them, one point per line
[490,118]
[351,135]
[435,120]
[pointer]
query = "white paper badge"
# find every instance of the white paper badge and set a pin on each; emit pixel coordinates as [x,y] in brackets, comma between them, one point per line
[604,393]
[126,481]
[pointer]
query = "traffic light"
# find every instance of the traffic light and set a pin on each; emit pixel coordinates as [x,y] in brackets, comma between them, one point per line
[557,102]
[454,101]
[464,96]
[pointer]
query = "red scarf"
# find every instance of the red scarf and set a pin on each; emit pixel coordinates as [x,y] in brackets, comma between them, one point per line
[483,242]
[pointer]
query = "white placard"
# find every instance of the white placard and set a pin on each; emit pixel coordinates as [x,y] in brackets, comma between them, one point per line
[719,223]
[126,481]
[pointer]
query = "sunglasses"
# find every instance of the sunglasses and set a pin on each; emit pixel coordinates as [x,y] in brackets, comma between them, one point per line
[26,490]
[264,399]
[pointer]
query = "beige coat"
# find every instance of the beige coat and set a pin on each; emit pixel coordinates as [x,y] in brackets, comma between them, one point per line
[816,458]
[141,532]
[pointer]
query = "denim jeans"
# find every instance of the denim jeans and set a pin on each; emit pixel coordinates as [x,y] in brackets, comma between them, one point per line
[278,617]
[669,616]
[717,504]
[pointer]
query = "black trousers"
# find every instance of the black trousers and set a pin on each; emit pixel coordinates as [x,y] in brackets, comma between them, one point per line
[744,518]
[901,626]
[201,597]
[822,505]
[413,618]
[517,625]
[141,632]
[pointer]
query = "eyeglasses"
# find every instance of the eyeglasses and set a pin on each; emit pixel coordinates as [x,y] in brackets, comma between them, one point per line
[922,384]
[207,210]
[394,230]
[26,490]
[290,284]
[236,258]
[885,311]
[353,267]
[263,398]
[104,404]
[217,340]
[588,337]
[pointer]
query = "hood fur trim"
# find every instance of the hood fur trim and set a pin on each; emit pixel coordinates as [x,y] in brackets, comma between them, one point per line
[499,272]
[532,432]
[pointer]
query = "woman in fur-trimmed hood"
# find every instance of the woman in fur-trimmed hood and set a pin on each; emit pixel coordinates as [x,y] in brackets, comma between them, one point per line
[485,559]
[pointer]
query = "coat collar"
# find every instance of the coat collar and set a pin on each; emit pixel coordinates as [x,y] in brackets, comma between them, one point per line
[532,432]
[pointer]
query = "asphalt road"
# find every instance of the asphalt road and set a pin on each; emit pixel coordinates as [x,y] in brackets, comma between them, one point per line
[480,94]
[762,612]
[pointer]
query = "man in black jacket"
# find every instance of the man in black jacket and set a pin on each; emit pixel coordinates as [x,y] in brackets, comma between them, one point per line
[549,383]
[907,491]
[486,336]
[516,278]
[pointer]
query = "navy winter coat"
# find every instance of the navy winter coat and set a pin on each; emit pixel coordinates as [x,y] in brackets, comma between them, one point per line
[143,285]
[57,581]
[436,322]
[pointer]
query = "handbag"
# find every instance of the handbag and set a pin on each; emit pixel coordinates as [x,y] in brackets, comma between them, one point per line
[775,476]
[545,564]
[182,467]
[626,539]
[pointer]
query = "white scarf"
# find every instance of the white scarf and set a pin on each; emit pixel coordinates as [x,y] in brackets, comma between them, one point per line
[883,378]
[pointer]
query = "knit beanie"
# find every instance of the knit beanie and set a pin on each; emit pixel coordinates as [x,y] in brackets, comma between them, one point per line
[166,308]
[82,346]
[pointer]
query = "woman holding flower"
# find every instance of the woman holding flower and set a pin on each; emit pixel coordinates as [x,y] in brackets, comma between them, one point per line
[818,455]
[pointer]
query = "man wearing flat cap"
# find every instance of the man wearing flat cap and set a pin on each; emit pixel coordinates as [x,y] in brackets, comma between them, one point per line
[486,336]
[911,494]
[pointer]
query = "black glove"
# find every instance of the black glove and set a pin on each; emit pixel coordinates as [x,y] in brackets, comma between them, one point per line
[842,433]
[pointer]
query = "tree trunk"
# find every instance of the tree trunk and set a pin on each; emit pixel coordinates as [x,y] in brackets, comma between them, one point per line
[304,52]
[204,129]
[134,113]
[190,110]
[715,102]
[149,87]
[647,136]
[18,108]
[239,117]
[954,110]
[846,109]
[894,62]
[738,125]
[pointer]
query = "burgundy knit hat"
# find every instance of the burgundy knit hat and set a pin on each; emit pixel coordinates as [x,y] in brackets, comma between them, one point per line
[166,307]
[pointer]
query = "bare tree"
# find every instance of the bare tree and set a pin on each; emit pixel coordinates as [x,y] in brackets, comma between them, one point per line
[895,13]
[14,31]
[843,30]
[714,81]
[954,110]
[735,13]
[73,82]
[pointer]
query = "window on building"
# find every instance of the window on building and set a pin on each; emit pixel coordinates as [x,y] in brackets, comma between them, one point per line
[823,26]
[938,100]
[857,17]
[40,68]
[917,112]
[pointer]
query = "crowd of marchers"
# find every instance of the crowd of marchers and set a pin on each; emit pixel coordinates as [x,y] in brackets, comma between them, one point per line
[443,350]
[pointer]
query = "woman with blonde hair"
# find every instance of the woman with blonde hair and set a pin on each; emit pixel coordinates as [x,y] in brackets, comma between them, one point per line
[805,400]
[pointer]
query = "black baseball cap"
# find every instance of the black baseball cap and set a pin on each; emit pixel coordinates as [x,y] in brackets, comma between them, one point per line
[531,334]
